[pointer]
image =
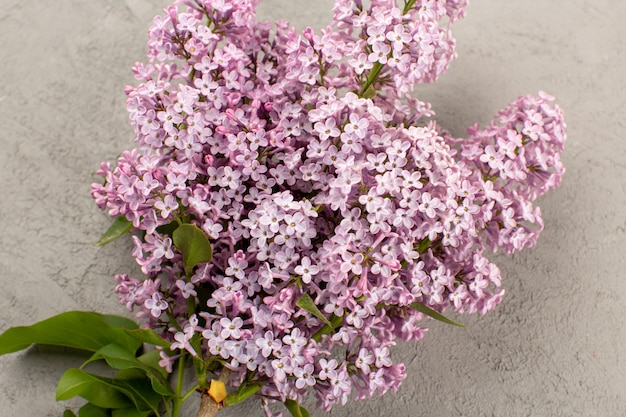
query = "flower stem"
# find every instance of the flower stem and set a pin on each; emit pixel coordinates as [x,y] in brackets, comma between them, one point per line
[408,5]
[190,392]
[371,77]
[178,400]
[375,71]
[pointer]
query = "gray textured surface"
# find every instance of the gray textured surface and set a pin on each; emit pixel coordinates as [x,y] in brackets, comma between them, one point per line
[555,347]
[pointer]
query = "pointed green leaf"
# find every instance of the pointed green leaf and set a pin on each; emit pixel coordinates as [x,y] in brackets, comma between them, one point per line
[108,393]
[119,358]
[118,228]
[296,409]
[129,374]
[168,229]
[116,356]
[74,329]
[193,244]
[434,314]
[90,410]
[152,358]
[119,321]
[141,393]
[148,336]
[244,392]
[306,303]
[69,413]
[130,412]
[97,390]
[335,321]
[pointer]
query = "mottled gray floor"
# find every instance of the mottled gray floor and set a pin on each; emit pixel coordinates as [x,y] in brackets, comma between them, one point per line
[555,347]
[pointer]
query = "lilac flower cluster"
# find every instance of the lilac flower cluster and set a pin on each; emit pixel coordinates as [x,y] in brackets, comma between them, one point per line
[303,159]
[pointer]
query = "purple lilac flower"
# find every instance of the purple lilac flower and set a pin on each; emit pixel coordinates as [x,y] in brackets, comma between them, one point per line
[314,173]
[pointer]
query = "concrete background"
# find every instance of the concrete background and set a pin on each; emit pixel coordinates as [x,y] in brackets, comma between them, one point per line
[555,347]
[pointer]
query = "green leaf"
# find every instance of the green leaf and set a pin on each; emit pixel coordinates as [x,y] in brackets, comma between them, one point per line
[116,357]
[120,227]
[141,393]
[296,409]
[90,410]
[152,358]
[193,244]
[130,412]
[119,358]
[335,321]
[423,246]
[130,373]
[109,393]
[306,303]
[168,229]
[74,329]
[118,321]
[69,413]
[434,314]
[97,390]
[148,336]
[244,392]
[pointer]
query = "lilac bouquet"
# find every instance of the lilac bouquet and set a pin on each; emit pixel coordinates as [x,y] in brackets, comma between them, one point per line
[295,210]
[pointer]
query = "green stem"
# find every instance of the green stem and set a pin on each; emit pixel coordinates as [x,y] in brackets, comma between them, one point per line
[178,400]
[181,373]
[322,72]
[371,77]
[408,6]
[170,315]
[189,393]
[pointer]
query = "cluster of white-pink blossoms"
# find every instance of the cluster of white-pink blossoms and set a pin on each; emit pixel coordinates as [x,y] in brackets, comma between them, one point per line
[334,207]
